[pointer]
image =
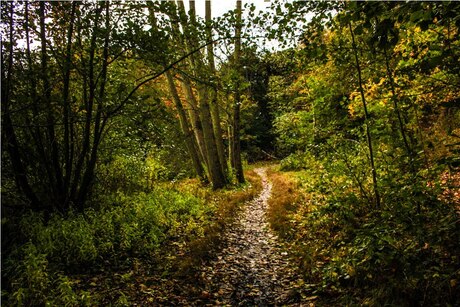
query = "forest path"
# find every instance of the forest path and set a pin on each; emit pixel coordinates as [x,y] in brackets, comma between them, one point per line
[251,269]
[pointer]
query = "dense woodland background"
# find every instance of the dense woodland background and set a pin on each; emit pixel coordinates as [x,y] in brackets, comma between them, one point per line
[128,129]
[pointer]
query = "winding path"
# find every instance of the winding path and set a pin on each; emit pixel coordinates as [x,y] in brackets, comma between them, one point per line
[251,269]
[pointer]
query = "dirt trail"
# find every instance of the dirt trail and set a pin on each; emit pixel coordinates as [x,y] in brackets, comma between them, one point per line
[251,269]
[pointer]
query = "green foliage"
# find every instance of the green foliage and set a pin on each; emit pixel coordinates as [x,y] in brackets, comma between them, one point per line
[134,225]
[351,254]
[144,147]
[391,257]
[35,284]
[293,130]
[405,252]
[294,162]
[74,114]
[128,173]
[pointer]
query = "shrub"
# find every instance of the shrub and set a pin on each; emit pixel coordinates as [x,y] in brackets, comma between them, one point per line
[294,162]
[352,254]
[134,225]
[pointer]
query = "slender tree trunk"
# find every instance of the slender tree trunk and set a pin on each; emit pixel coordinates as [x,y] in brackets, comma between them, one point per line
[192,145]
[58,180]
[230,143]
[229,132]
[37,134]
[366,115]
[68,156]
[186,85]
[189,35]
[99,124]
[212,157]
[194,117]
[89,93]
[213,103]
[394,98]
[12,146]
[236,143]
[395,104]
[215,169]
[186,131]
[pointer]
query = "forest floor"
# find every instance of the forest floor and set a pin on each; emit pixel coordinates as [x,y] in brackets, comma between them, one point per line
[245,252]
[248,267]
[252,269]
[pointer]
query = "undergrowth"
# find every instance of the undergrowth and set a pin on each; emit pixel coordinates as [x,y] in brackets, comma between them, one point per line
[60,260]
[352,254]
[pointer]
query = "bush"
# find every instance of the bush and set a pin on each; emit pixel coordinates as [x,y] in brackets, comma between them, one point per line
[352,254]
[294,162]
[35,284]
[134,225]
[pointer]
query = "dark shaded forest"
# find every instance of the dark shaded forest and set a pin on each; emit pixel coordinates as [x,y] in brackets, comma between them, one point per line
[304,154]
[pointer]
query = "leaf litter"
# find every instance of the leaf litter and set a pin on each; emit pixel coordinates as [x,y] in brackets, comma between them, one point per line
[252,268]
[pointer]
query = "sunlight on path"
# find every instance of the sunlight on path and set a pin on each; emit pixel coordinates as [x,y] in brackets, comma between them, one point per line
[251,269]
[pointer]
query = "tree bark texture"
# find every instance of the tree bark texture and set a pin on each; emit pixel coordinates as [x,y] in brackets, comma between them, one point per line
[213,102]
[236,142]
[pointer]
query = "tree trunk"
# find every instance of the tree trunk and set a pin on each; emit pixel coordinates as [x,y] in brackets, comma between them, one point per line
[57,183]
[89,93]
[402,129]
[99,123]
[213,103]
[212,157]
[37,134]
[366,115]
[230,142]
[236,144]
[194,117]
[186,132]
[395,104]
[193,146]
[192,108]
[68,151]
[214,167]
